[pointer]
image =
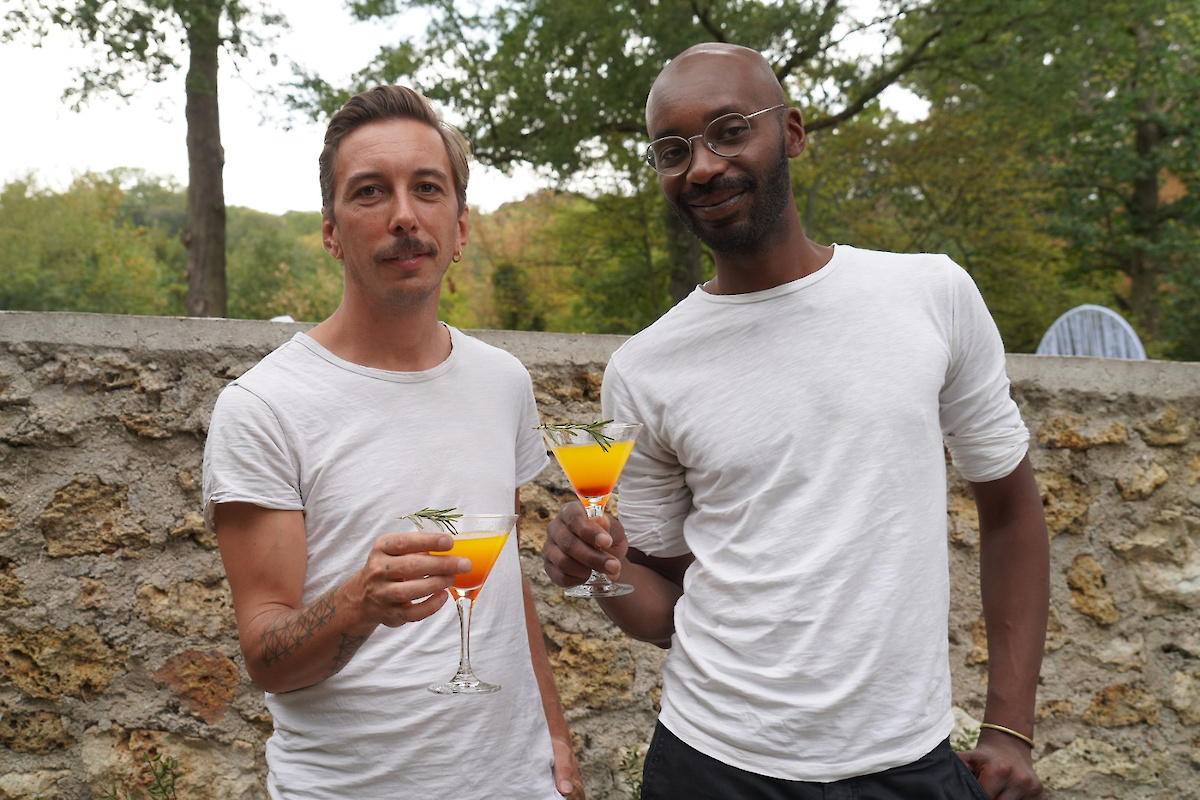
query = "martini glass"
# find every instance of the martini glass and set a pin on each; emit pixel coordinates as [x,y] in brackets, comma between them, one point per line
[480,538]
[592,456]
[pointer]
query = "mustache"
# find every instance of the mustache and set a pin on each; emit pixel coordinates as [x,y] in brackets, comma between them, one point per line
[721,183]
[406,246]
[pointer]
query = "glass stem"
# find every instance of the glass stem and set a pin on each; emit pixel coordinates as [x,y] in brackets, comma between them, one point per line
[464,605]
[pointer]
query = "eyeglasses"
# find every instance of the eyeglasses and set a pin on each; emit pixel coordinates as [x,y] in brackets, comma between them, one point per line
[727,136]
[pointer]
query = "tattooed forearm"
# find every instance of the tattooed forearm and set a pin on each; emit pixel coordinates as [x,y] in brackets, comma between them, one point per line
[347,647]
[289,631]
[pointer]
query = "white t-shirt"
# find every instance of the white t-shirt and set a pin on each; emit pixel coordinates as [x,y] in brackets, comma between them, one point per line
[355,448]
[793,443]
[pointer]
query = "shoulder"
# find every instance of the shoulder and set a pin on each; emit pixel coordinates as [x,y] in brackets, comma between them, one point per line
[476,354]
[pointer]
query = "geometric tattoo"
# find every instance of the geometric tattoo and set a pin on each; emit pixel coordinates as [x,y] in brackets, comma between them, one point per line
[346,650]
[291,630]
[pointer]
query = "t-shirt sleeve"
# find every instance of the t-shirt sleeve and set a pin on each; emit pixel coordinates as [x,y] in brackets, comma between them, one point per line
[653,498]
[981,424]
[247,457]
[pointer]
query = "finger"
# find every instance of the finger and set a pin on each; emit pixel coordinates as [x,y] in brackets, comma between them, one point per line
[417,610]
[575,556]
[399,544]
[413,566]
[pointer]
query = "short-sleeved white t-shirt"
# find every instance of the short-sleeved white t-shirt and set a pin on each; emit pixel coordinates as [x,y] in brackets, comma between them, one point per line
[794,444]
[355,448]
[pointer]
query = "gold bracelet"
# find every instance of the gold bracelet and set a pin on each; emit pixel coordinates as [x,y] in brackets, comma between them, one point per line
[1009,731]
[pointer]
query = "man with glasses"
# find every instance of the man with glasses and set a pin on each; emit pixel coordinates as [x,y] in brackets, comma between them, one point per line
[783,515]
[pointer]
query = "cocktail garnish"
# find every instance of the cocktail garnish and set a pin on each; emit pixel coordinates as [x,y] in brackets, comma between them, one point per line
[592,428]
[442,517]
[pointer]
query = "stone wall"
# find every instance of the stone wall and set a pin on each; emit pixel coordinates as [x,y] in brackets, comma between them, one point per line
[117,638]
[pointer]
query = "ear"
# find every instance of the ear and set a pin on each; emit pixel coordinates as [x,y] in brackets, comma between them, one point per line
[329,235]
[797,140]
[464,229]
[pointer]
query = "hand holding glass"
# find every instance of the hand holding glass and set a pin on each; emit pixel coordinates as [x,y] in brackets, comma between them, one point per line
[592,457]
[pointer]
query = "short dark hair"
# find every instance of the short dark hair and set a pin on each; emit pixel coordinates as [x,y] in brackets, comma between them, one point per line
[384,103]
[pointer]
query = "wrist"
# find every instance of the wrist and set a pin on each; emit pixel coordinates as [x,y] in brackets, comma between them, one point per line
[1004,729]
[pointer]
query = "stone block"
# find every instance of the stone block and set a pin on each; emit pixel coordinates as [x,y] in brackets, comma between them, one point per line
[193,528]
[1077,432]
[1138,482]
[1067,767]
[1177,584]
[12,591]
[39,785]
[88,516]
[1065,501]
[1089,592]
[207,768]
[591,672]
[51,663]
[1185,696]
[188,607]
[33,731]
[203,681]
[1122,704]
[1167,429]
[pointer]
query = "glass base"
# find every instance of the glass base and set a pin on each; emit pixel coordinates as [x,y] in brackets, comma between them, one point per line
[458,685]
[598,586]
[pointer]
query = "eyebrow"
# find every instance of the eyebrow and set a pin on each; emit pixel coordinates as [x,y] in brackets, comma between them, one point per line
[426,173]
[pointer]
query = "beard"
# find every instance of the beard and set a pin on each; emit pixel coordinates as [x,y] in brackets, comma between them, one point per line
[767,207]
[404,298]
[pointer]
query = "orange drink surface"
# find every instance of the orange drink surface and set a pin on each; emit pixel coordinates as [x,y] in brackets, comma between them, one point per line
[482,548]
[591,469]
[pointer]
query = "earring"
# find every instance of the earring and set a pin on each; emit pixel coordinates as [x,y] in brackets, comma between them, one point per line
[457,258]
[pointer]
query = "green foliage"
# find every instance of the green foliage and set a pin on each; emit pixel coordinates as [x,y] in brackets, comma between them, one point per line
[161,774]
[110,244]
[966,740]
[630,770]
[76,252]
[277,265]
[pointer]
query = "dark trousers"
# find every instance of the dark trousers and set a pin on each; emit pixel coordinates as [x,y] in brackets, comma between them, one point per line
[675,771]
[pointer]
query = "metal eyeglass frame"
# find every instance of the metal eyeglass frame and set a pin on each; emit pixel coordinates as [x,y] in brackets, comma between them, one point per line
[683,166]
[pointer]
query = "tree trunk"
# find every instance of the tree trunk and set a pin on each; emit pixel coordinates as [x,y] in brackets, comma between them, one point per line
[204,236]
[1144,271]
[683,256]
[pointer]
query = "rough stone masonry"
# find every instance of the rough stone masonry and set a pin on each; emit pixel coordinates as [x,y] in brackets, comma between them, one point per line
[117,637]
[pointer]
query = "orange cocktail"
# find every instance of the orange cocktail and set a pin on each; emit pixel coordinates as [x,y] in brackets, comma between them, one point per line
[482,548]
[593,470]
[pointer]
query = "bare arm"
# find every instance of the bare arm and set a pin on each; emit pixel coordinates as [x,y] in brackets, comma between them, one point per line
[289,645]
[576,544]
[1014,564]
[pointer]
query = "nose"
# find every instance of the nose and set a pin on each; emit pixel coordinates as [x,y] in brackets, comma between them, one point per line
[705,165]
[402,216]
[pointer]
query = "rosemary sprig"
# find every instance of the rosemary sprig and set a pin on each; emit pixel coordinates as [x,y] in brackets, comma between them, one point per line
[592,428]
[442,517]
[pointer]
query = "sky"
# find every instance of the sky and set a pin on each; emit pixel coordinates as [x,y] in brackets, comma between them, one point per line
[267,166]
[270,156]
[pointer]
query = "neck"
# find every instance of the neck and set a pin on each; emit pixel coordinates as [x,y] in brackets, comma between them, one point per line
[772,262]
[410,341]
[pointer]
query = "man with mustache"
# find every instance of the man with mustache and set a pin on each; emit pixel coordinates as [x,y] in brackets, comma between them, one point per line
[783,514]
[378,412]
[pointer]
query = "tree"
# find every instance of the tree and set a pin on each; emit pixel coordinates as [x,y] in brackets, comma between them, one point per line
[146,37]
[562,84]
[77,251]
[1110,98]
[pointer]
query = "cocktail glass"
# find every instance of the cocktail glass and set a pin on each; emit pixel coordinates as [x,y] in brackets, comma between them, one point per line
[592,456]
[480,538]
